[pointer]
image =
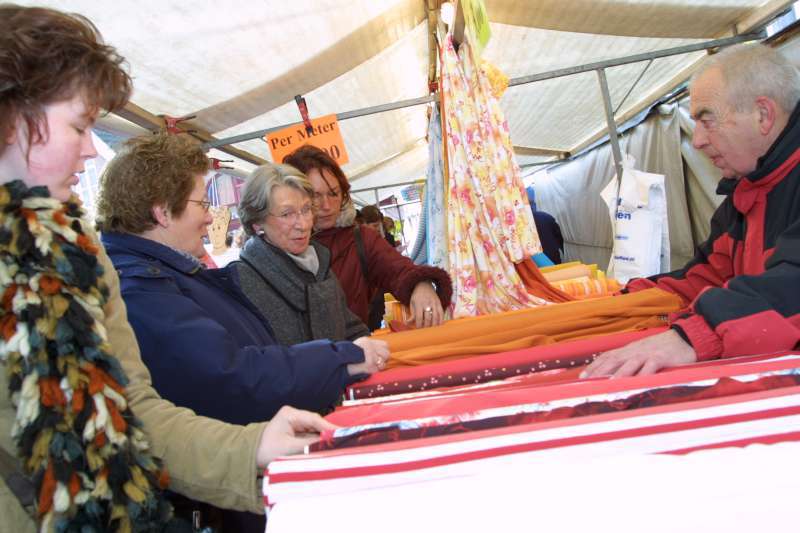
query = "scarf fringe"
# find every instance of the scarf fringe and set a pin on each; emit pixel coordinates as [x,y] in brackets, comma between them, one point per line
[73,428]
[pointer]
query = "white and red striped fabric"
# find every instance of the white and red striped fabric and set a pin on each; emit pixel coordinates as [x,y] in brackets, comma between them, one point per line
[470,471]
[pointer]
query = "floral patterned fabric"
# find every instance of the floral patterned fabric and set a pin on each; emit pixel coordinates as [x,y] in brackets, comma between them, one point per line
[489,221]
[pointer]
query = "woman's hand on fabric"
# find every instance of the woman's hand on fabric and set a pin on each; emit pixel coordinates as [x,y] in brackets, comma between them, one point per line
[642,357]
[376,353]
[426,308]
[288,433]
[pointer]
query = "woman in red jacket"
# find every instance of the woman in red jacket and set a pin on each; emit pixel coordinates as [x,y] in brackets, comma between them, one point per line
[360,257]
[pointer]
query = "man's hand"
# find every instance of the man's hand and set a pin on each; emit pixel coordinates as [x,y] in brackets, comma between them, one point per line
[645,356]
[288,433]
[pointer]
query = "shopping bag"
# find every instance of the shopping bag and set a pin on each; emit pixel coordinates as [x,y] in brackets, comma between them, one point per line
[639,221]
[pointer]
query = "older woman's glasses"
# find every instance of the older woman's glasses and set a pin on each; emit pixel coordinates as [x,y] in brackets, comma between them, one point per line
[291,217]
[205,204]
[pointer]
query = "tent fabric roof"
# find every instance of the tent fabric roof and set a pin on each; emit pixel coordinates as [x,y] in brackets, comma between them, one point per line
[237,65]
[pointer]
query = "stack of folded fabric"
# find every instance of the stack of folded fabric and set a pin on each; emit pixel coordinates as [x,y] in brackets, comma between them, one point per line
[468,450]
[514,330]
[580,281]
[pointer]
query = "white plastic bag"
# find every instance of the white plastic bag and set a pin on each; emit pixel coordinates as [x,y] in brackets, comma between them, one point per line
[641,232]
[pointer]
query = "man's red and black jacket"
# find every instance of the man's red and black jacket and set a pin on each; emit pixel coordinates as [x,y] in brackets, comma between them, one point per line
[742,288]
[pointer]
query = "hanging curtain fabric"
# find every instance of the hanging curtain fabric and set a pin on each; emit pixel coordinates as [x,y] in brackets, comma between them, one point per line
[436,223]
[489,221]
[419,254]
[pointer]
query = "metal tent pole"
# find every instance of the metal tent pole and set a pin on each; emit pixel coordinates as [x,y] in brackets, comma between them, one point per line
[633,86]
[365,189]
[515,81]
[612,126]
[614,139]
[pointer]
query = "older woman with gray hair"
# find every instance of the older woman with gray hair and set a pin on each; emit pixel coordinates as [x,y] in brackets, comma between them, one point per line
[283,273]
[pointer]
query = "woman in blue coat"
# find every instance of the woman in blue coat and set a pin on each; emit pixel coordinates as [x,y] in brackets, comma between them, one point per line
[205,344]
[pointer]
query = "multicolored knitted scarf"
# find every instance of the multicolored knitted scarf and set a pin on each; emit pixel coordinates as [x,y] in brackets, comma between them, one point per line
[78,438]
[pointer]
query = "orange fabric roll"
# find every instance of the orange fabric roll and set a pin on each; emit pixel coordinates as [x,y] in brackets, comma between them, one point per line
[537,285]
[583,288]
[531,327]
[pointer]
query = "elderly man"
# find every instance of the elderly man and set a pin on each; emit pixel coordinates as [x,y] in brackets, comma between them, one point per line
[742,289]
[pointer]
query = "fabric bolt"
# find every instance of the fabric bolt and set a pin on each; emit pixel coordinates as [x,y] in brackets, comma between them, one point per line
[435,204]
[541,260]
[771,416]
[408,430]
[572,272]
[482,368]
[533,375]
[743,283]
[537,284]
[514,330]
[766,415]
[743,488]
[583,288]
[419,253]
[444,403]
[299,306]
[489,222]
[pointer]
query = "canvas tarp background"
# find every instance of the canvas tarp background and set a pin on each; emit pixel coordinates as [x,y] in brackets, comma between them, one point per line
[238,65]
[661,144]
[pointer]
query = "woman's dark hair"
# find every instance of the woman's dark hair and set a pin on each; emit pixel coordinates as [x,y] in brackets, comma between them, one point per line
[47,56]
[308,157]
[371,214]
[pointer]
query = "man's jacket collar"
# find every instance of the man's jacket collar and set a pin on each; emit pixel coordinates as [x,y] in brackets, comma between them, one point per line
[783,147]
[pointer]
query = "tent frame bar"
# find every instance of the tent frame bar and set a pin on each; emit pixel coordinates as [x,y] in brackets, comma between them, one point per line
[632,87]
[513,82]
[366,189]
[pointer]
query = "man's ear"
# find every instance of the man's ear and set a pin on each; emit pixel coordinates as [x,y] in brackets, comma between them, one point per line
[767,113]
[161,214]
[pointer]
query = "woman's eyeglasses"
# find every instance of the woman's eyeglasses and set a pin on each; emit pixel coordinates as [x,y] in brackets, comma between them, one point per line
[205,204]
[291,217]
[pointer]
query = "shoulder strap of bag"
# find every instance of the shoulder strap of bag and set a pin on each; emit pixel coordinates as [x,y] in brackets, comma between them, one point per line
[19,484]
[362,254]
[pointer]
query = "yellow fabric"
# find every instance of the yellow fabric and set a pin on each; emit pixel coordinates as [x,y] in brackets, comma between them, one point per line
[576,271]
[554,268]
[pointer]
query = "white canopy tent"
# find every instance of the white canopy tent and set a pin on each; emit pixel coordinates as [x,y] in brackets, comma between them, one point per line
[236,66]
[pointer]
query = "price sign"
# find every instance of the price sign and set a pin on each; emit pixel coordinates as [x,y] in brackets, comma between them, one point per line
[325,134]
